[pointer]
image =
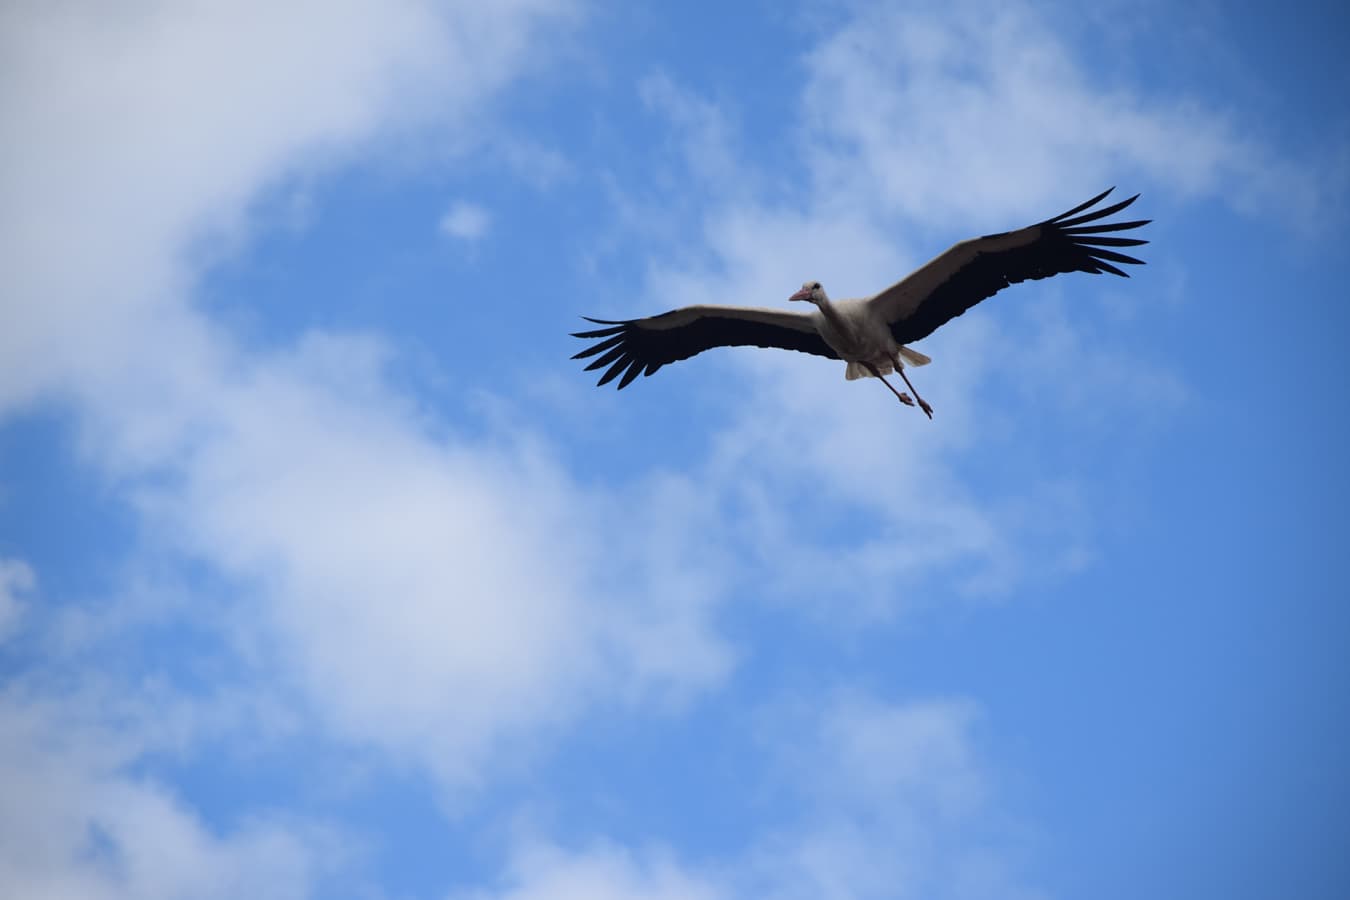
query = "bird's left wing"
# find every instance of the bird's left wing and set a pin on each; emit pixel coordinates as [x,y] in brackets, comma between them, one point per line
[641,346]
[974,270]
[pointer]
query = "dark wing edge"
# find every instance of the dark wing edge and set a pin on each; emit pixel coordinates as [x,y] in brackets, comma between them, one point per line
[630,349]
[1073,241]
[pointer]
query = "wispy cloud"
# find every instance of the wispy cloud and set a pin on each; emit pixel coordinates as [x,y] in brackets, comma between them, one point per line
[895,801]
[197,136]
[16,578]
[399,598]
[541,871]
[78,823]
[699,129]
[466,222]
[446,595]
[962,114]
[887,800]
[420,592]
[950,122]
[426,593]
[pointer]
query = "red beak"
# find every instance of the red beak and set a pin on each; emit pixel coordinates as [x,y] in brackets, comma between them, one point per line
[803,294]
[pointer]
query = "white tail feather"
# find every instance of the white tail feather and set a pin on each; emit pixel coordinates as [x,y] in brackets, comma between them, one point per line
[914,357]
[857,370]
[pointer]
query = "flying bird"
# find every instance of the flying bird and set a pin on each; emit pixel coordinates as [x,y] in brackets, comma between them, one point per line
[870,334]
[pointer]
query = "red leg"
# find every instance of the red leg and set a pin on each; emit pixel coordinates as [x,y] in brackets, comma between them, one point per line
[903,398]
[927,410]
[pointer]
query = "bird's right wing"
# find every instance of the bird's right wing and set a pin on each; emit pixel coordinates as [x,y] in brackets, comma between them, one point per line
[974,270]
[641,346]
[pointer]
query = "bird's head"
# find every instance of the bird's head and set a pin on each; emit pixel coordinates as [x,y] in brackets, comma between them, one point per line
[812,291]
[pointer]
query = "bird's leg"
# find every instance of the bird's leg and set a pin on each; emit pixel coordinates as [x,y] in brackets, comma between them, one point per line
[903,398]
[900,395]
[923,404]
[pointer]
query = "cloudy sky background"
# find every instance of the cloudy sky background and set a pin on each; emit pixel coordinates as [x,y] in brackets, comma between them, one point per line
[323,573]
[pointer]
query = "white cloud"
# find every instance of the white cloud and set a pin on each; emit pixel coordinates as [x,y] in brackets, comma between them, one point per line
[886,800]
[425,592]
[166,122]
[958,114]
[430,594]
[540,166]
[419,591]
[954,122]
[466,221]
[16,577]
[440,596]
[846,454]
[893,800]
[700,128]
[76,824]
[540,871]
[874,752]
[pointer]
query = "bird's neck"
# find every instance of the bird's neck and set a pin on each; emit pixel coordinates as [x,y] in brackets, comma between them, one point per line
[831,314]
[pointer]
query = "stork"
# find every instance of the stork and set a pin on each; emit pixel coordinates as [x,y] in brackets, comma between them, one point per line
[870,334]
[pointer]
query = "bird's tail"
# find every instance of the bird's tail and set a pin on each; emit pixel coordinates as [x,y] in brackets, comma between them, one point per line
[914,357]
[857,370]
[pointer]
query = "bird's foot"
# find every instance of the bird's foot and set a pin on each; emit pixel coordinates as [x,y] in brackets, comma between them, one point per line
[905,398]
[923,405]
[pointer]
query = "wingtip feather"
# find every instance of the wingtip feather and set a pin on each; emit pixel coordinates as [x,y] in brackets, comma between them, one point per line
[599,332]
[1080,207]
[1097,240]
[1097,213]
[1100,253]
[1107,267]
[1104,228]
[634,370]
[611,373]
[599,363]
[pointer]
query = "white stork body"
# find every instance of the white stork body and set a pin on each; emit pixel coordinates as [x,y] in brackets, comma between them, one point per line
[860,338]
[871,334]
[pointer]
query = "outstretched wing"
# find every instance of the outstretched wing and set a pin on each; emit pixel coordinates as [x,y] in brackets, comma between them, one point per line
[641,346]
[973,270]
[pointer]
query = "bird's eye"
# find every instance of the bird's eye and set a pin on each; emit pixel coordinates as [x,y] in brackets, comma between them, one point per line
[816,286]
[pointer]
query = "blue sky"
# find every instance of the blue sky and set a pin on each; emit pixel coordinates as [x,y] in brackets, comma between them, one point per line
[325,573]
